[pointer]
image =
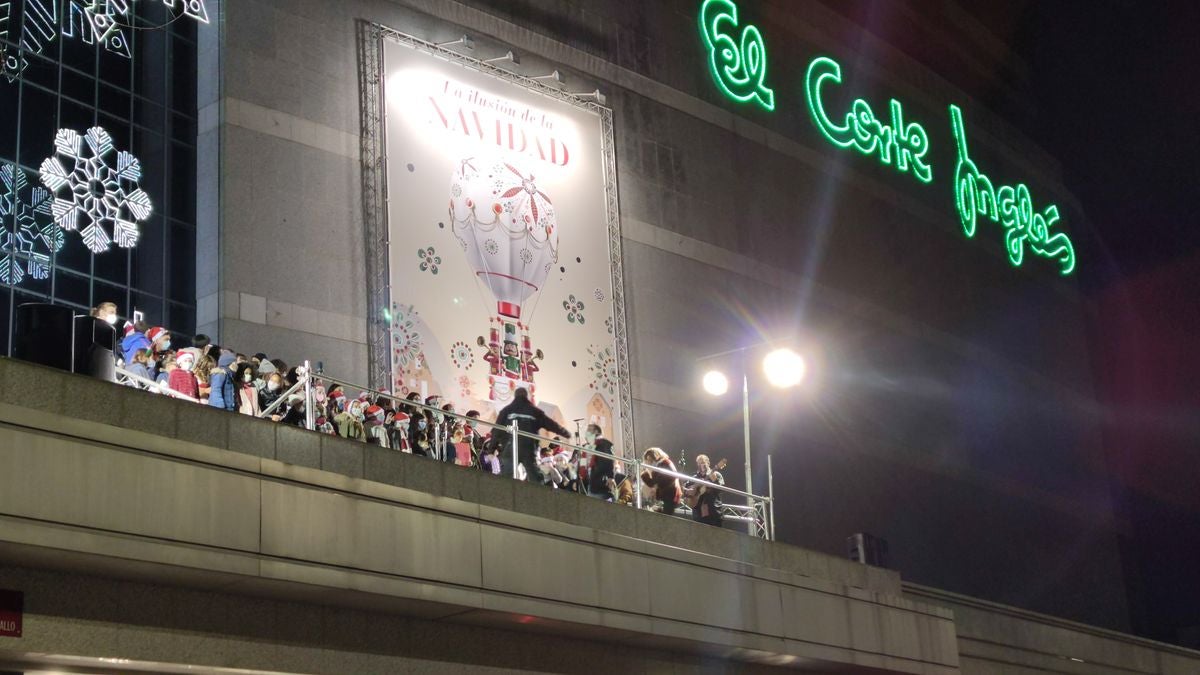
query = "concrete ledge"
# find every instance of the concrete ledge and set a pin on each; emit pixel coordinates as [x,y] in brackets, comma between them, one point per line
[125,410]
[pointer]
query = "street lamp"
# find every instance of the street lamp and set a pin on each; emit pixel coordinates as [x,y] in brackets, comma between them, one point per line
[782,367]
[716,383]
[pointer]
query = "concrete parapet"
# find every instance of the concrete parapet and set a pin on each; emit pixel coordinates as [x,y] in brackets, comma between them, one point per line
[260,505]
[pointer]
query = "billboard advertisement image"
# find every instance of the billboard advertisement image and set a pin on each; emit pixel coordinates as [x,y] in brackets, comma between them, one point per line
[498,233]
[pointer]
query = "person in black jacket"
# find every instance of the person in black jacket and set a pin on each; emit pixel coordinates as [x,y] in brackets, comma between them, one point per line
[601,469]
[530,419]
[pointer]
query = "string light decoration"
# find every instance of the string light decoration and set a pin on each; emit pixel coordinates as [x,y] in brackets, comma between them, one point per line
[92,193]
[899,144]
[1011,206]
[28,234]
[739,67]
[102,22]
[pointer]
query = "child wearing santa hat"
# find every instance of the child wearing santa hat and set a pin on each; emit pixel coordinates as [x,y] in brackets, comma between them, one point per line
[181,378]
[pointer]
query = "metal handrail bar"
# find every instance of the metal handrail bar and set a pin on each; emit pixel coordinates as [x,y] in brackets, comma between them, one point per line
[629,460]
[701,481]
[282,398]
[515,433]
[404,401]
[156,387]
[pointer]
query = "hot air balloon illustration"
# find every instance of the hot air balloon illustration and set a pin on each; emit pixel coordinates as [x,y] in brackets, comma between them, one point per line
[509,232]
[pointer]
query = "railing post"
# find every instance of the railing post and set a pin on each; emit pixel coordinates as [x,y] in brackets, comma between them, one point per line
[637,483]
[310,419]
[515,457]
[771,497]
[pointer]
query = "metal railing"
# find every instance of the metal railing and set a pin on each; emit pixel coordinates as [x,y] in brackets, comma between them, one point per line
[758,511]
[129,379]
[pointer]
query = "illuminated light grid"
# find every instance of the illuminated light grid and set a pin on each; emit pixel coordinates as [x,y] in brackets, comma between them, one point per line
[96,22]
[738,67]
[28,233]
[898,144]
[1011,206]
[88,190]
[41,28]
[9,63]
[93,21]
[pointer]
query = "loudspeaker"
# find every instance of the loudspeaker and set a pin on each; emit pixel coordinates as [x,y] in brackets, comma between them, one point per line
[43,334]
[94,348]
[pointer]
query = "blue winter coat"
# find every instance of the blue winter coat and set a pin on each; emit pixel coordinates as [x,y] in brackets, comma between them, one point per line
[132,343]
[221,382]
[221,395]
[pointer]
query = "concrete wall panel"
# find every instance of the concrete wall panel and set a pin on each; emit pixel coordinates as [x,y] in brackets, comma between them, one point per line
[329,528]
[91,486]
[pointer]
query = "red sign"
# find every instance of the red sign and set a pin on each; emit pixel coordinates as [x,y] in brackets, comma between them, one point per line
[12,604]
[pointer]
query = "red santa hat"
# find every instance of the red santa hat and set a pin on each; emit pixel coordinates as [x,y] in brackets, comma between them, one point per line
[185,360]
[374,415]
[339,399]
[155,333]
[127,329]
[400,418]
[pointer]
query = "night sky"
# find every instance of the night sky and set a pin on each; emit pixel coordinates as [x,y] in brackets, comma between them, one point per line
[1118,100]
[1111,89]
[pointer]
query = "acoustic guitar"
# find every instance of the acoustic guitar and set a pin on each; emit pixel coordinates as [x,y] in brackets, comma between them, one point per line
[692,495]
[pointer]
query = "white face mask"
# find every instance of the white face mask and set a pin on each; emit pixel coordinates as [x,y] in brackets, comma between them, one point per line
[246,377]
[111,319]
[439,416]
[591,438]
[273,386]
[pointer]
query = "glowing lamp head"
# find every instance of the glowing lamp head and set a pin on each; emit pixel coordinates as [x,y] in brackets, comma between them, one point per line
[784,368]
[715,383]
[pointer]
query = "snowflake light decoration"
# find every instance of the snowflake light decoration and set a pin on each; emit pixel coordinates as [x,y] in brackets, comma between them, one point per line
[464,386]
[90,191]
[100,22]
[27,233]
[603,369]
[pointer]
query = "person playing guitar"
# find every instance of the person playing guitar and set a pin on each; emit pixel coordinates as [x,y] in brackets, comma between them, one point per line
[702,499]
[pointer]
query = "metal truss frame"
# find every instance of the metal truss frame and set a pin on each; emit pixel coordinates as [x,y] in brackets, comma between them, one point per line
[373,143]
[373,149]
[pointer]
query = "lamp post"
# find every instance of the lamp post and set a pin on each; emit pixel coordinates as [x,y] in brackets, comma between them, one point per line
[782,367]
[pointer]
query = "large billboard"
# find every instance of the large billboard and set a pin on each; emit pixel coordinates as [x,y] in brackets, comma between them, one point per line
[498,225]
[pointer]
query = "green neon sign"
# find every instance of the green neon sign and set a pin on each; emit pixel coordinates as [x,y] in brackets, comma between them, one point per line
[739,67]
[899,144]
[1011,206]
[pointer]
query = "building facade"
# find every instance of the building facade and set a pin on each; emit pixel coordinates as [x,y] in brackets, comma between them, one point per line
[755,172]
[131,71]
[932,354]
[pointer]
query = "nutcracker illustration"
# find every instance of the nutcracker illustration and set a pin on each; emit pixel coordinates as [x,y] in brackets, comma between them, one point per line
[508,230]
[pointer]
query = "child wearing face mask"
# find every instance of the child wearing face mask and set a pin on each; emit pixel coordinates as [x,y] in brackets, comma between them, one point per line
[140,365]
[247,393]
[270,392]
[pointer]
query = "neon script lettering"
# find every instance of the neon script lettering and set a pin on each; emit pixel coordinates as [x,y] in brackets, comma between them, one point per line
[739,67]
[738,63]
[903,145]
[1011,206]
